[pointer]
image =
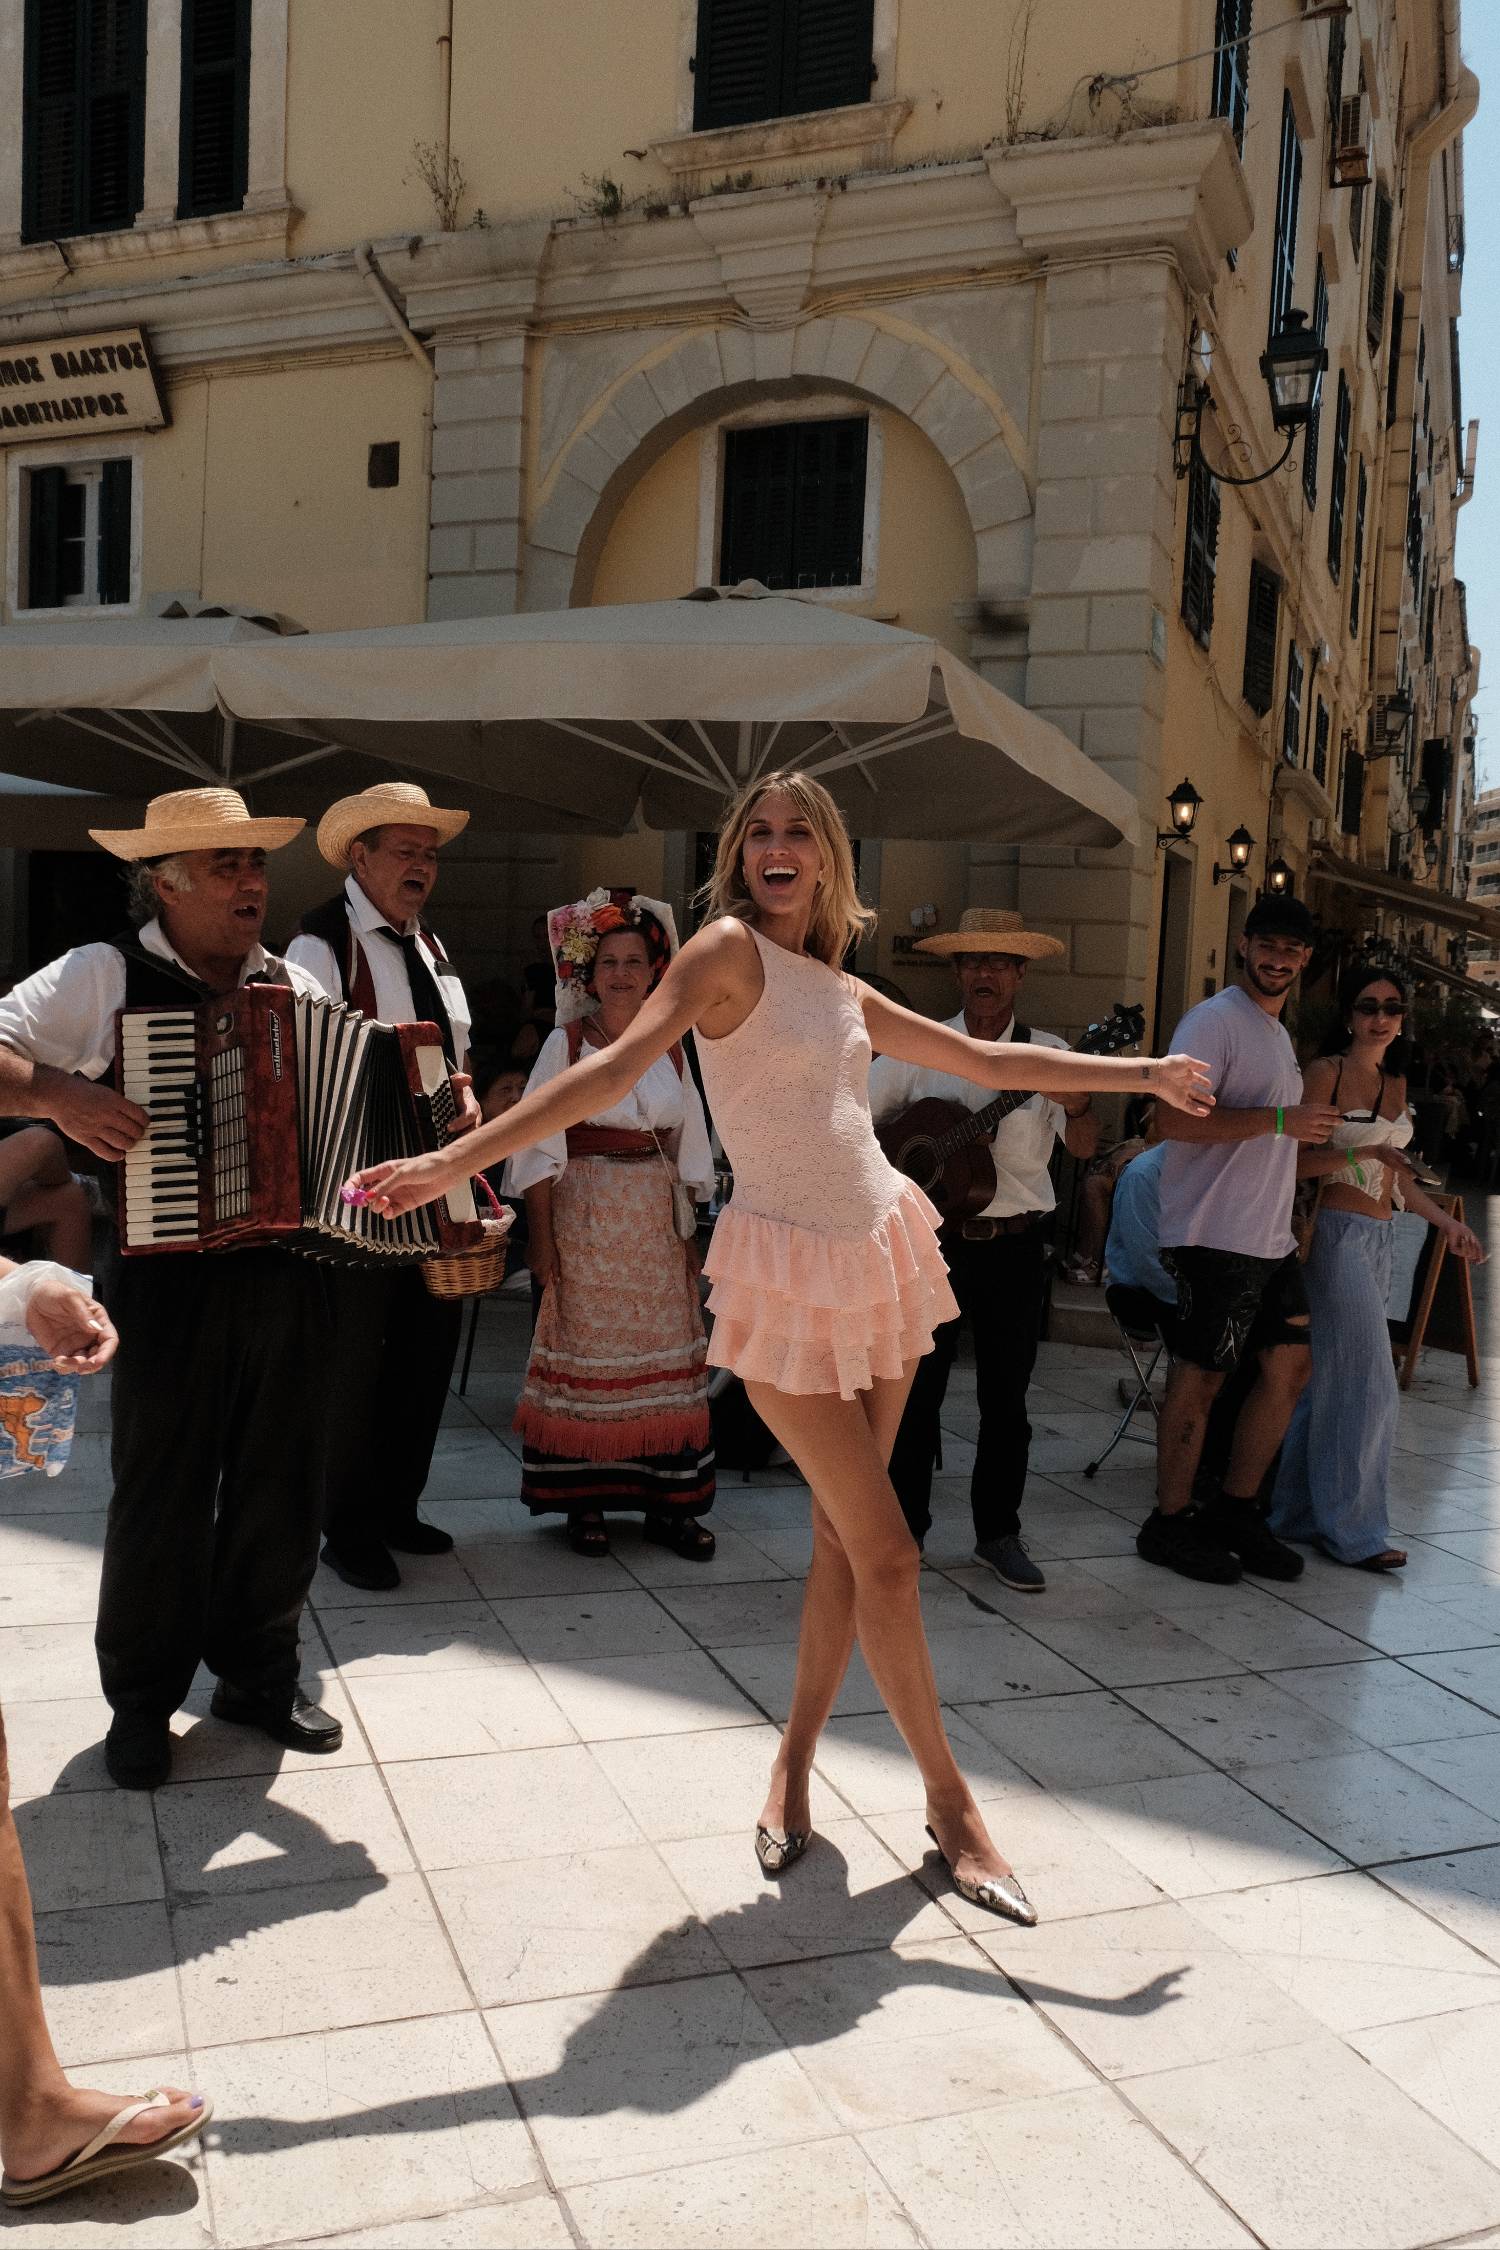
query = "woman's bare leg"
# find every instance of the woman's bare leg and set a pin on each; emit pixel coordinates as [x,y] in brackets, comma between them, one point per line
[834,1443]
[44,2120]
[825,1640]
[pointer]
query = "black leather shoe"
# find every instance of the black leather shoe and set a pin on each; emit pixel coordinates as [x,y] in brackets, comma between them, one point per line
[298,1723]
[366,1565]
[417,1538]
[1241,1524]
[138,1752]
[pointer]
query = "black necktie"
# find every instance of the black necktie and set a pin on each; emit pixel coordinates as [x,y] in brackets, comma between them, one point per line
[426,999]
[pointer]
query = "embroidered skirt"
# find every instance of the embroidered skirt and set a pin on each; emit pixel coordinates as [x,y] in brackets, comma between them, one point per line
[614,1411]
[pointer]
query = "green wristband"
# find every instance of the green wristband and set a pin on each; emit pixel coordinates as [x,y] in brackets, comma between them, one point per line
[1280,1123]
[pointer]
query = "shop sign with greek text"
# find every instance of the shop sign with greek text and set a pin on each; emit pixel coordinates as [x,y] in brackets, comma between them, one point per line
[71,386]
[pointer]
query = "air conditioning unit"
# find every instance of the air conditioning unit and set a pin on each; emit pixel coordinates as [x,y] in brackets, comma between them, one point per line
[1351,142]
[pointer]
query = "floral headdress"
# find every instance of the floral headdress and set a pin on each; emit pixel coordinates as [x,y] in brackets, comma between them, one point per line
[575,932]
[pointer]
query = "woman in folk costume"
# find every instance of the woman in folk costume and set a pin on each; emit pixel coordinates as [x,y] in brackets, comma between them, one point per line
[828,1280]
[614,1413]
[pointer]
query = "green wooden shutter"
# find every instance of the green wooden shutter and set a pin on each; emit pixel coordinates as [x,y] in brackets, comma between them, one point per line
[1380,267]
[1335,85]
[1357,559]
[214,136]
[1259,684]
[114,532]
[115,113]
[44,502]
[737,62]
[794,503]
[827,54]
[1200,553]
[1288,203]
[1231,78]
[1291,714]
[1352,799]
[1339,482]
[51,121]
[1314,426]
[1320,743]
[1393,369]
[830,502]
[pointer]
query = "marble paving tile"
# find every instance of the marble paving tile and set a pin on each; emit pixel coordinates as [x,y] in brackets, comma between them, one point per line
[1081,1741]
[1448,2064]
[59,1745]
[424,1579]
[848,1893]
[109,1982]
[1468,1768]
[1386,1703]
[993,1662]
[703,1785]
[542,1929]
[333,2131]
[1348,1951]
[679,1692]
[74,1538]
[913,2030]
[1026,2175]
[1459,1889]
[39,1663]
[1201,1832]
[425,1637]
[293,1828]
[1133,1651]
[1072,1590]
[492,1809]
[1264,1635]
[736,1616]
[1066,1869]
[207,1749]
[525,2222]
[411,1714]
[1368,1806]
[646,2079]
[736,1560]
[1147,1989]
[1401,1623]
[317,1957]
[869,1765]
[1242,1722]
[538,1562]
[839,2200]
[1311,2146]
[564,1628]
[92,1848]
[49,1593]
[1474,1673]
[765,1671]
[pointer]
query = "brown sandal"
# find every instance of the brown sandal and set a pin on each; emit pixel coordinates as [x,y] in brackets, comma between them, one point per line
[587,1535]
[689,1538]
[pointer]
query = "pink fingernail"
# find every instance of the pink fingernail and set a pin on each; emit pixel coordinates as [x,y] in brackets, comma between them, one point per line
[353,1193]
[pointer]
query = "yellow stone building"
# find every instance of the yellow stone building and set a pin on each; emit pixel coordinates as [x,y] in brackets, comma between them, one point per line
[465,306]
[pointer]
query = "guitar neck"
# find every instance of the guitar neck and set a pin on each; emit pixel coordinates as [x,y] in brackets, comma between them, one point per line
[983,1122]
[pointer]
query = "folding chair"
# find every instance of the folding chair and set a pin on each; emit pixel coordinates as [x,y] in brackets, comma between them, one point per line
[1140,1323]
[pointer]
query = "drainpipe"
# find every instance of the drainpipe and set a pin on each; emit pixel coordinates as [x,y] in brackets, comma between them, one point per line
[390,305]
[445,80]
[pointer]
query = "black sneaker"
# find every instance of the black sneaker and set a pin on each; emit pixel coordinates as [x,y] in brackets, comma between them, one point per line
[1241,1524]
[1189,1543]
[364,1563]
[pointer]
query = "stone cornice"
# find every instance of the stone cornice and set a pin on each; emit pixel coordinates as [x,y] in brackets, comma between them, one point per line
[863,135]
[1177,188]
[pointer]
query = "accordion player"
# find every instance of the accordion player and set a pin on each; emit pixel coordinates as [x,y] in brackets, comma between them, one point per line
[261,1104]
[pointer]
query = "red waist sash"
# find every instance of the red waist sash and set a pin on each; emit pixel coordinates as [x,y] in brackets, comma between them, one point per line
[606,1140]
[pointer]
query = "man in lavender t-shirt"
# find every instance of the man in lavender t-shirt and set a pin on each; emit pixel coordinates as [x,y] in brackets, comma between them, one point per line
[1226,1237]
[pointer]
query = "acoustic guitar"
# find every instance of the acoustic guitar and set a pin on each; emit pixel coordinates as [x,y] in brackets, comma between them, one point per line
[945,1148]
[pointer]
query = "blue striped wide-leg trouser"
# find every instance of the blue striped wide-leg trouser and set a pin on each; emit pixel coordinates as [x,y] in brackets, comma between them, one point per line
[1335,1463]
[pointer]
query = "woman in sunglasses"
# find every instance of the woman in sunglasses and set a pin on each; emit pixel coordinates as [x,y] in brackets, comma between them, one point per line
[1331,1488]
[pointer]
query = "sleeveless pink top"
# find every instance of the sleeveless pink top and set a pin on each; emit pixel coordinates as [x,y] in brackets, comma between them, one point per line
[825,1265]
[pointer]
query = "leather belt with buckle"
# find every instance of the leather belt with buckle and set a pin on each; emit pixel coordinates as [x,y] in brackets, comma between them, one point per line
[985,1230]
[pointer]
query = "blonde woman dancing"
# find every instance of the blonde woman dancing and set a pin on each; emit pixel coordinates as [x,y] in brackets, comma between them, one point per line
[827,1276]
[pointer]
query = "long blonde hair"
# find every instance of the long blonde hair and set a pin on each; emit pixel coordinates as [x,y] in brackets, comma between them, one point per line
[839,918]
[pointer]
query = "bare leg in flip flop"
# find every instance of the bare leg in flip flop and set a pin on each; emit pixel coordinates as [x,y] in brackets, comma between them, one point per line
[43,2119]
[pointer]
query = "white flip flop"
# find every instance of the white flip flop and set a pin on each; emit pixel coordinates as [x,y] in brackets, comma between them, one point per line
[105,2153]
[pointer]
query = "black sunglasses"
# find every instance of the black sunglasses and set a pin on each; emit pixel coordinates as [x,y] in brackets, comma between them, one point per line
[1395,1008]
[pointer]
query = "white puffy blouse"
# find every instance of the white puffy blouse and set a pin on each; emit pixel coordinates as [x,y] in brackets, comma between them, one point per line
[659,1101]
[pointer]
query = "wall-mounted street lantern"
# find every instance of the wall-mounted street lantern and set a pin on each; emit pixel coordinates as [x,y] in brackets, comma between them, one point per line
[1293,364]
[1239,844]
[1183,804]
[1279,879]
[1389,722]
[1418,803]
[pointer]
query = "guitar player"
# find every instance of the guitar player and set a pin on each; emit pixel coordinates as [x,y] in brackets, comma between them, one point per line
[995,1259]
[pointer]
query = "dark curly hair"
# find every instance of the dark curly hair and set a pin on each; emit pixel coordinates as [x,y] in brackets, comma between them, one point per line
[1355,980]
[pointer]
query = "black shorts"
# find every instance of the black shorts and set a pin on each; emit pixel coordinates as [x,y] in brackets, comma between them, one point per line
[1229,1303]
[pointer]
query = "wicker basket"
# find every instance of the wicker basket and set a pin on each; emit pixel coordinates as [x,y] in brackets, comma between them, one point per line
[473,1273]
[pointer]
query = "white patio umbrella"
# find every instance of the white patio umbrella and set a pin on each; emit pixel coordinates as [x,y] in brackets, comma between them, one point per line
[664,709]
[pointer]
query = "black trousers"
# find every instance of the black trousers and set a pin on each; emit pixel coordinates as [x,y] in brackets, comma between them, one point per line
[217,1450]
[393,1352]
[998,1285]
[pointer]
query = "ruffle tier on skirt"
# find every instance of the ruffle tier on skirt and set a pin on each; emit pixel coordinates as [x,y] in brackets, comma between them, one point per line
[808,1312]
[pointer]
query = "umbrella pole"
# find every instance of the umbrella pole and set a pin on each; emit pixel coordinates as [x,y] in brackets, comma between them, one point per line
[227,726]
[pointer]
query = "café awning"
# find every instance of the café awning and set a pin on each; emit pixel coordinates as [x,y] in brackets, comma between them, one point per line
[1424,967]
[1398,894]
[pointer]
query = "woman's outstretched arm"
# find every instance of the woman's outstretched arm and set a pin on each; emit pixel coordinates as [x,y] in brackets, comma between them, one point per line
[716,975]
[911,1038]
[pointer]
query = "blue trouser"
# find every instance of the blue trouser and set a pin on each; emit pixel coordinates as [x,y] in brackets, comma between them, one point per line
[1335,1463]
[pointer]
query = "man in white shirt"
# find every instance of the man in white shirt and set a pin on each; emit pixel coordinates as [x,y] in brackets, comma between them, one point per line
[995,1260]
[216,1410]
[395,1342]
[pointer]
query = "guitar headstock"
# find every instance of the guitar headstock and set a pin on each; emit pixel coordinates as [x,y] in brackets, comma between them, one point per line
[1123,1027]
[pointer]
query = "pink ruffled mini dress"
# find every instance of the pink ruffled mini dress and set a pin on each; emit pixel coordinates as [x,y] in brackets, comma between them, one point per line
[825,1264]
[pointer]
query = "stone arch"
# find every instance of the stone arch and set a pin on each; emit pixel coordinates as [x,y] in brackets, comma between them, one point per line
[714,371]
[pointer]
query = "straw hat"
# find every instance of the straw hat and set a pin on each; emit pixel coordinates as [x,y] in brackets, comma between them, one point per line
[992,929]
[197,820]
[398,803]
